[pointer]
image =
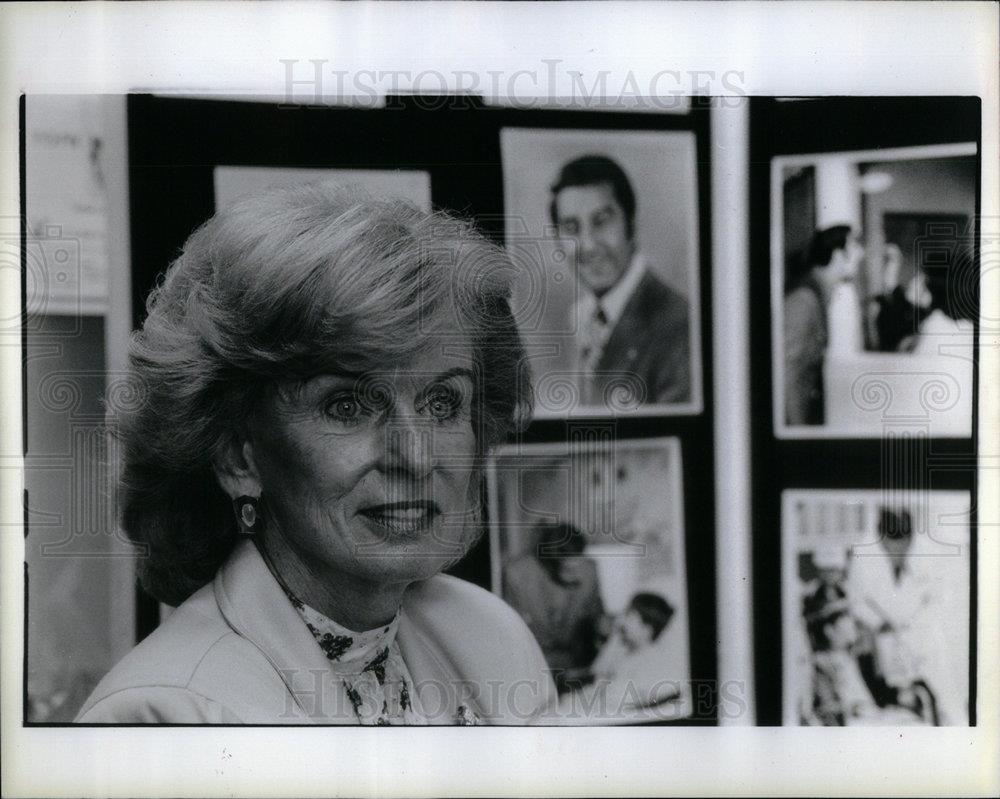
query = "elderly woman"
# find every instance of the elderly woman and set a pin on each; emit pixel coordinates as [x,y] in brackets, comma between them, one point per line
[320,377]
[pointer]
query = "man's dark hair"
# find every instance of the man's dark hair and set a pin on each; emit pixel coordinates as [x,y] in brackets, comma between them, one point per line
[593,170]
[952,287]
[822,246]
[556,541]
[895,524]
[654,611]
[826,242]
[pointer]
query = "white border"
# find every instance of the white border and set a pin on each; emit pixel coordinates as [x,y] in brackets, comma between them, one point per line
[696,404]
[378,182]
[778,164]
[568,449]
[784,49]
[731,400]
[791,616]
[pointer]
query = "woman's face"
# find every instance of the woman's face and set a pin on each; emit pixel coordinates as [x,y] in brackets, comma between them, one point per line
[917,293]
[374,476]
[843,632]
[635,632]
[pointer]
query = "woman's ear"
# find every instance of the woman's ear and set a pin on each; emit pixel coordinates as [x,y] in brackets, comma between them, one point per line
[236,470]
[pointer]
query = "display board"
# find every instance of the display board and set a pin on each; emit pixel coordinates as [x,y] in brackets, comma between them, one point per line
[864,413]
[183,150]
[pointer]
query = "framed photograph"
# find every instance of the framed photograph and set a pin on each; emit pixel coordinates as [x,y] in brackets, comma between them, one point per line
[604,228]
[66,210]
[232,182]
[874,291]
[587,544]
[876,597]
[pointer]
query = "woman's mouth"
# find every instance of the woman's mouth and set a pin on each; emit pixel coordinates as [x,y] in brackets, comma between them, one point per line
[401,517]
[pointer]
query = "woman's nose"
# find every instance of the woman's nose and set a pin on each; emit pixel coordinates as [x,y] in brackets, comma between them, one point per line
[409,446]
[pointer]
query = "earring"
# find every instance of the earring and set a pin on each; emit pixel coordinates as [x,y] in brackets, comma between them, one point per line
[248,515]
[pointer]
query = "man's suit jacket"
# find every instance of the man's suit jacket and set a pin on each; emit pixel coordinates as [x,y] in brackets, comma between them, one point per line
[237,652]
[805,342]
[649,347]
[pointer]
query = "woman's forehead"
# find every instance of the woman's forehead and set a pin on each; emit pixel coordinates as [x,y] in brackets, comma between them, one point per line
[417,373]
[420,350]
[442,355]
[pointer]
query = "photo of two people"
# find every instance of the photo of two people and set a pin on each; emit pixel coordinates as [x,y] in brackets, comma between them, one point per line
[588,546]
[877,608]
[874,291]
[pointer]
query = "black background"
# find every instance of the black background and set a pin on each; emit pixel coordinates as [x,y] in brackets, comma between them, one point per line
[818,126]
[175,145]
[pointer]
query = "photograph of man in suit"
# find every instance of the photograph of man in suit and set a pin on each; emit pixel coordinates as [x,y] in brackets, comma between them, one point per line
[631,327]
[816,313]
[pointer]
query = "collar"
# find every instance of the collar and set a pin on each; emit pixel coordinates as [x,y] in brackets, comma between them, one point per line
[255,606]
[348,651]
[615,300]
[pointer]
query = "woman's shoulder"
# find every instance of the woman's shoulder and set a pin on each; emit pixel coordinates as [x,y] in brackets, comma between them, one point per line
[938,322]
[455,631]
[156,704]
[462,618]
[183,672]
[461,602]
[939,333]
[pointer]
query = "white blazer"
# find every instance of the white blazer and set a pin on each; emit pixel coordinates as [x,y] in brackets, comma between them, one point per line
[237,652]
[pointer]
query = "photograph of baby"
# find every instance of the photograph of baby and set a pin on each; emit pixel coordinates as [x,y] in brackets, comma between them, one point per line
[588,546]
[603,226]
[874,291]
[876,608]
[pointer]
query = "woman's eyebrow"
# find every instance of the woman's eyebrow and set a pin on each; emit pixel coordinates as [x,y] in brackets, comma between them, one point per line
[329,378]
[317,385]
[458,371]
[334,380]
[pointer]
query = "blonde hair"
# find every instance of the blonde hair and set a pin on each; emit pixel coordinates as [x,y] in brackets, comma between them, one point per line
[280,287]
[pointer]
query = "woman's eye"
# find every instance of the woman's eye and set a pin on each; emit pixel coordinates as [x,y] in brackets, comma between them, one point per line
[443,405]
[344,409]
[441,409]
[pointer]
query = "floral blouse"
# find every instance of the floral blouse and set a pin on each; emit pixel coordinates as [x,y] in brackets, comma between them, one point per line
[371,666]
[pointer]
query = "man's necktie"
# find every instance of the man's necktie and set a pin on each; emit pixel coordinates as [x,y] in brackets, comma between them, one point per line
[595,336]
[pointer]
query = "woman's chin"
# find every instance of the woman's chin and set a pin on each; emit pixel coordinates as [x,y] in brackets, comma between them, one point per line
[415,552]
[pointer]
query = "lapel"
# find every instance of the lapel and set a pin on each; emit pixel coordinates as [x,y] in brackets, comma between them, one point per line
[622,348]
[254,605]
[437,678]
[823,300]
